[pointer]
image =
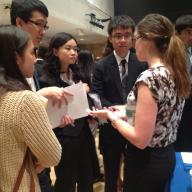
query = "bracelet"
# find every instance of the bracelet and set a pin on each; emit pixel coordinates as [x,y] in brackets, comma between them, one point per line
[114,122]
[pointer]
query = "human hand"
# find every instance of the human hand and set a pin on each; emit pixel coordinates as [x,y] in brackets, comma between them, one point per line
[66,120]
[102,114]
[38,167]
[119,110]
[56,94]
[117,107]
[86,87]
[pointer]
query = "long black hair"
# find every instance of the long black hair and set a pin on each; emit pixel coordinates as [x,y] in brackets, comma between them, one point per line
[53,65]
[84,68]
[13,41]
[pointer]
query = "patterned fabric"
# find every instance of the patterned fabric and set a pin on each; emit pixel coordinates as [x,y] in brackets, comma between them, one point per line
[170,106]
[123,68]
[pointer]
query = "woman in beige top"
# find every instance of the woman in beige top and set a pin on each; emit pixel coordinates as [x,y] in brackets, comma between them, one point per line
[23,119]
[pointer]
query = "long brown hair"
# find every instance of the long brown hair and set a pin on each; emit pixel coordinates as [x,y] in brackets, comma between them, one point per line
[161,31]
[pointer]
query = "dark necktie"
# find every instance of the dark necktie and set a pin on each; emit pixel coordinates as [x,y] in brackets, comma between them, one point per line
[123,67]
[123,62]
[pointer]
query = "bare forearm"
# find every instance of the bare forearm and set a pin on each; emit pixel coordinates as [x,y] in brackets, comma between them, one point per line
[129,132]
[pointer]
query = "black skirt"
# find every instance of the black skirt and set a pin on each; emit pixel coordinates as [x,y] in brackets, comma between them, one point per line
[148,170]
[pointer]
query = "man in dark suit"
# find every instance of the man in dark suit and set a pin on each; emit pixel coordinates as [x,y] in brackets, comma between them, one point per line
[183,26]
[31,16]
[113,79]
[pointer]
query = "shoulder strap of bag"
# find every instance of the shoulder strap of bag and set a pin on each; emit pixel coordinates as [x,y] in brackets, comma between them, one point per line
[27,164]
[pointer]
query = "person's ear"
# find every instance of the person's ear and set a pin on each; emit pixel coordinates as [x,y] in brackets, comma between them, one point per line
[19,22]
[110,38]
[55,52]
[18,58]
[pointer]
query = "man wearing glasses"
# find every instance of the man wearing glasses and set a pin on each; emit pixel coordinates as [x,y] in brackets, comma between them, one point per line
[31,16]
[113,79]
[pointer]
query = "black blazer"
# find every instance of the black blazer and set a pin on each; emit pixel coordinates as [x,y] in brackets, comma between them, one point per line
[184,135]
[107,83]
[47,80]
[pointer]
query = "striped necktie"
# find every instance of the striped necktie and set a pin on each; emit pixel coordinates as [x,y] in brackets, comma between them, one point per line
[123,71]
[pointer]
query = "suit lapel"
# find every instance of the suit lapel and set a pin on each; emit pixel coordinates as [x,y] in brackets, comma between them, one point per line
[114,70]
[131,73]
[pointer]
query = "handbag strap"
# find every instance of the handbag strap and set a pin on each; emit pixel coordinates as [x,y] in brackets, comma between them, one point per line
[27,164]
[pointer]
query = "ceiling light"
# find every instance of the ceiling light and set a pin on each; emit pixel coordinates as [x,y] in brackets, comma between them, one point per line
[80,32]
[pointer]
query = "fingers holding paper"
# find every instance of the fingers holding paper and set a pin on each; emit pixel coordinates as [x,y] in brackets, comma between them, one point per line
[56,95]
[66,120]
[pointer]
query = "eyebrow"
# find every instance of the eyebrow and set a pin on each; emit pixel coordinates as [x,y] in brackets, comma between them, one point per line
[39,20]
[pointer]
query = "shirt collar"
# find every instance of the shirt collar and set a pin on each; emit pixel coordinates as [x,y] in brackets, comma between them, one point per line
[189,50]
[118,58]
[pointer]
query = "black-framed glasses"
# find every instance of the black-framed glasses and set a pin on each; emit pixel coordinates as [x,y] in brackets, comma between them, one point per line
[120,36]
[39,25]
[137,37]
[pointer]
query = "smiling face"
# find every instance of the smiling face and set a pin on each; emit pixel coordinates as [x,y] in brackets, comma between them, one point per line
[26,62]
[36,26]
[121,40]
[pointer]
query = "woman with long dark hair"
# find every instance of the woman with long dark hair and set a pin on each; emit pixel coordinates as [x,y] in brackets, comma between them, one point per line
[25,131]
[75,167]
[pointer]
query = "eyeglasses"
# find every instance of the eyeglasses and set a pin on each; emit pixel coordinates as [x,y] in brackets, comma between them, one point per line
[39,25]
[75,49]
[187,32]
[137,37]
[120,36]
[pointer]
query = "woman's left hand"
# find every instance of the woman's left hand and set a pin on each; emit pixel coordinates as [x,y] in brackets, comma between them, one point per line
[102,114]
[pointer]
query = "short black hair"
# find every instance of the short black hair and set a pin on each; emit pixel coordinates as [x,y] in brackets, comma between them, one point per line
[121,21]
[24,9]
[183,22]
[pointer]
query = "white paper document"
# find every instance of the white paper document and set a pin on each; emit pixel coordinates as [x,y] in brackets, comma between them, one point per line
[77,105]
[186,157]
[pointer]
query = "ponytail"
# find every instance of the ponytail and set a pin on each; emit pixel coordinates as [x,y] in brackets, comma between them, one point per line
[176,60]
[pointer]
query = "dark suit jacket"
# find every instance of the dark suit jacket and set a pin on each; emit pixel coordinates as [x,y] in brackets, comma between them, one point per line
[107,83]
[47,80]
[184,135]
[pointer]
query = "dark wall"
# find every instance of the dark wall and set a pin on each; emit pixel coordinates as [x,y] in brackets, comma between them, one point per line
[139,8]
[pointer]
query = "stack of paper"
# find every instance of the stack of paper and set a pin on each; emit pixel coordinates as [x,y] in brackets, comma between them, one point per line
[77,105]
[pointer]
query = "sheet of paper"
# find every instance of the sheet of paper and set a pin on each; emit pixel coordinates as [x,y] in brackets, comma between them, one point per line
[77,105]
[186,157]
